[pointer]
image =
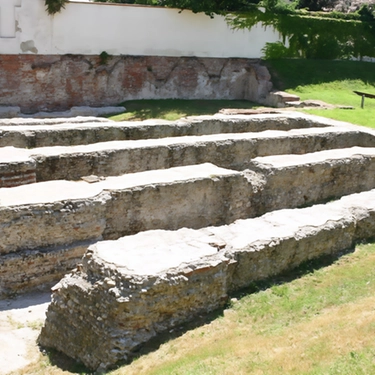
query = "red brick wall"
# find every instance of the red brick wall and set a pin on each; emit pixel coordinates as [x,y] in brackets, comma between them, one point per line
[40,82]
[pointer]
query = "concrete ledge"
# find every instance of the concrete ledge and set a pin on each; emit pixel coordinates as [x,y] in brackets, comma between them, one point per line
[130,290]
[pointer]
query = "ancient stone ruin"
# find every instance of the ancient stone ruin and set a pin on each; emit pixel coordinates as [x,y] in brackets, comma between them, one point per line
[170,217]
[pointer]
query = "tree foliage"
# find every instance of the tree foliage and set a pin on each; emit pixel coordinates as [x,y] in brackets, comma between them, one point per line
[209,7]
[316,5]
[55,6]
[143,2]
[312,37]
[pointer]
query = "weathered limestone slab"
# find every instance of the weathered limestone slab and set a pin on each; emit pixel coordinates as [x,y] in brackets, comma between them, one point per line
[45,225]
[232,151]
[298,180]
[132,289]
[30,134]
[53,213]
[292,236]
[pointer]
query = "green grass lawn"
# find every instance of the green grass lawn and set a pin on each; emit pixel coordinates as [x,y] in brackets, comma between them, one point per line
[332,82]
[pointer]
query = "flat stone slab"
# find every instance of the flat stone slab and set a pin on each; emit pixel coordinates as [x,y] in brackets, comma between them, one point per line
[130,290]
[9,112]
[283,161]
[140,254]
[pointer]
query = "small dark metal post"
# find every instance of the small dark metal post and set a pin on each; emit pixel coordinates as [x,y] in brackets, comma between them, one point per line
[363,101]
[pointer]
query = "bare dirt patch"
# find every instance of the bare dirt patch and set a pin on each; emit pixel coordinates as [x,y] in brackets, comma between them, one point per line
[20,322]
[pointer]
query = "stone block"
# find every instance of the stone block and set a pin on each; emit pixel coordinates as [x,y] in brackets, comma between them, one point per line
[48,223]
[16,168]
[299,180]
[132,289]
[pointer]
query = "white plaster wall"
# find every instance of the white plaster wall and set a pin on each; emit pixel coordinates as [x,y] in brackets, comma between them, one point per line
[91,28]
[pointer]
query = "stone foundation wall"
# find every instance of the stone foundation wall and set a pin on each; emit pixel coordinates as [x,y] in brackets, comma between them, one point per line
[232,151]
[102,313]
[315,177]
[15,168]
[32,133]
[42,241]
[17,178]
[49,233]
[53,82]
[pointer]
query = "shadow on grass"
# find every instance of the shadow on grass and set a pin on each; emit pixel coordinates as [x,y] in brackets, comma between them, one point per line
[65,363]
